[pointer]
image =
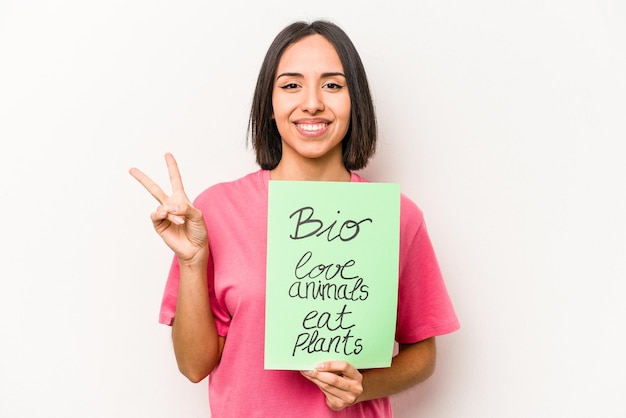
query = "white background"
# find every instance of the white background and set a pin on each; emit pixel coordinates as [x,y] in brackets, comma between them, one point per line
[503,120]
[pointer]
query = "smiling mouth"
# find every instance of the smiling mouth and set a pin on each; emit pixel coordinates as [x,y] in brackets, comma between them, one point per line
[312,127]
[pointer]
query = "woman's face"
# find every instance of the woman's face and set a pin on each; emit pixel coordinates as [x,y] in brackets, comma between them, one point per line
[311,103]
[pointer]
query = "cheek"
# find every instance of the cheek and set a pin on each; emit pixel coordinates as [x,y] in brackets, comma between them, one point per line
[280,109]
[343,107]
[281,118]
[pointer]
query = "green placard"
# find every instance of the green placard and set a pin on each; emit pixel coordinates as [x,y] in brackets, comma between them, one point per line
[332,273]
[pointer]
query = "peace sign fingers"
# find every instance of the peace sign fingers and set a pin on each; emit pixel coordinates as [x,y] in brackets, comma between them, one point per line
[149,185]
[175,178]
[154,189]
[176,220]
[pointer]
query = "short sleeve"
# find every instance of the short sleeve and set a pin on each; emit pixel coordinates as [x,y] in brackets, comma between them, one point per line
[170,294]
[170,298]
[424,306]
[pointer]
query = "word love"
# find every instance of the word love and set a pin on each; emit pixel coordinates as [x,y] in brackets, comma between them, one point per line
[315,281]
[308,226]
[341,341]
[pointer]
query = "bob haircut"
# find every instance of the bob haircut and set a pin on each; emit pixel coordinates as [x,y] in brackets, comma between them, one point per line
[359,144]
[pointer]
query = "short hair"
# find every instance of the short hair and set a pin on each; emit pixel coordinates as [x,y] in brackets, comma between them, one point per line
[359,143]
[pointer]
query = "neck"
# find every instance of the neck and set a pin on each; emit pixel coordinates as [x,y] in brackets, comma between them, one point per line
[310,172]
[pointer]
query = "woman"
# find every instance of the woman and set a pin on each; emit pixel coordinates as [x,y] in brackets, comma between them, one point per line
[312,118]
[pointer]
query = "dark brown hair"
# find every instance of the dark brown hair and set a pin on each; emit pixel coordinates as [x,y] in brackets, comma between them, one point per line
[359,144]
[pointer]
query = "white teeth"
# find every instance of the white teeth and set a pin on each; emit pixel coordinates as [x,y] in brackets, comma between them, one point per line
[315,127]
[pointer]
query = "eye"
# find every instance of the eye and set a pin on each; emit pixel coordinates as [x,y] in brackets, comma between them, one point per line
[289,86]
[333,86]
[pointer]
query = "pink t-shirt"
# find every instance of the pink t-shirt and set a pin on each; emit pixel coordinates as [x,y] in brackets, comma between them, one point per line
[236,218]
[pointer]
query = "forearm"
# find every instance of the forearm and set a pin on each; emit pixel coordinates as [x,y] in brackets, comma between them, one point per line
[196,343]
[413,364]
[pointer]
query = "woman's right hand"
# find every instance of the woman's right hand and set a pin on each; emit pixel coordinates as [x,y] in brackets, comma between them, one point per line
[176,220]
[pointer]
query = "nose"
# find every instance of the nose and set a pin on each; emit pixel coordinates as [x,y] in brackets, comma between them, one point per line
[312,101]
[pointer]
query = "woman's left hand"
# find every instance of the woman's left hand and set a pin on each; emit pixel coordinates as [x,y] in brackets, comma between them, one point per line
[341,383]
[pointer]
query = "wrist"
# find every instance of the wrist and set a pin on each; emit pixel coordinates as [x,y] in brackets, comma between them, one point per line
[197,260]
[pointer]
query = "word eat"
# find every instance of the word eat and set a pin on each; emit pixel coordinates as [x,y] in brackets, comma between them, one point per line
[314,319]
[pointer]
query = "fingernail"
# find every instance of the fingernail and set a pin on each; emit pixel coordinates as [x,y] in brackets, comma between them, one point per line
[178,220]
[320,366]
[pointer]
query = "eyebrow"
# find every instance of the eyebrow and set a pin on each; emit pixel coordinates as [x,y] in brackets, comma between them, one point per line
[324,75]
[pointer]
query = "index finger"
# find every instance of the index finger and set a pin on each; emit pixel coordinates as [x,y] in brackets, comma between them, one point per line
[172,169]
[149,185]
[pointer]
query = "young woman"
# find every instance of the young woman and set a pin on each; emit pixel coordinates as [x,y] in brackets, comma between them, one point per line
[312,119]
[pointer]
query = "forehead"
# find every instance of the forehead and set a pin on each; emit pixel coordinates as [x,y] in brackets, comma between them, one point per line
[313,52]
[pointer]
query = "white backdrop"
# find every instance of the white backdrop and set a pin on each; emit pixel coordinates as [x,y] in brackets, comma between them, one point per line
[504,121]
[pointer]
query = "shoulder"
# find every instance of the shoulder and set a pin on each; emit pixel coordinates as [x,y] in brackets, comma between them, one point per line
[410,212]
[411,220]
[242,188]
[411,215]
